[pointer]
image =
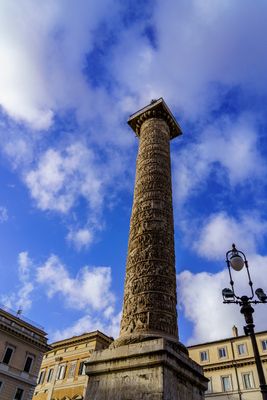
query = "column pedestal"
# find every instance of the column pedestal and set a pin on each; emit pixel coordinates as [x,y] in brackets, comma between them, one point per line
[151,370]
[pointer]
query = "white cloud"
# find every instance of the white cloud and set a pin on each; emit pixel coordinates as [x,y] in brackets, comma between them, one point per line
[24,262]
[221,230]
[3,214]
[195,59]
[228,146]
[42,73]
[234,144]
[88,324]
[61,176]
[90,288]
[18,150]
[64,176]
[42,51]
[82,325]
[90,291]
[81,238]
[21,298]
[201,300]
[24,294]
[24,300]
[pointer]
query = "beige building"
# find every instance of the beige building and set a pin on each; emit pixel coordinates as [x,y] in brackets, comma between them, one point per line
[62,374]
[22,345]
[230,366]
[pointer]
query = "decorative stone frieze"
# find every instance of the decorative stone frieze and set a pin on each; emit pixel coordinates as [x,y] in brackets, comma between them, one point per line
[150,284]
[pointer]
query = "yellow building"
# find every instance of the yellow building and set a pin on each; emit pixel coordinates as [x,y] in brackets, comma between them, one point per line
[230,366]
[62,373]
[22,345]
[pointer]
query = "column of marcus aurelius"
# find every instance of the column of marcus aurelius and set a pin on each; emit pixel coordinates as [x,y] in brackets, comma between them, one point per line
[147,361]
[150,286]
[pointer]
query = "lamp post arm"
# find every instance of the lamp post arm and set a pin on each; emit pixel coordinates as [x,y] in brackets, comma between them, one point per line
[230,274]
[249,279]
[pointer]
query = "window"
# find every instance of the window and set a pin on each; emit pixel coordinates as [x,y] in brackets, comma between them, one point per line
[81,368]
[19,394]
[41,377]
[204,356]
[241,348]
[209,390]
[248,380]
[71,370]
[222,352]
[50,374]
[61,372]
[8,355]
[226,383]
[28,364]
[1,384]
[264,344]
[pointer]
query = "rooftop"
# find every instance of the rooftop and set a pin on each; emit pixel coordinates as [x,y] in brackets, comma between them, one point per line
[232,338]
[80,338]
[20,318]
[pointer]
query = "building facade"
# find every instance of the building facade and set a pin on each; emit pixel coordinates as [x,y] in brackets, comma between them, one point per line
[22,346]
[230,366]
[62,374]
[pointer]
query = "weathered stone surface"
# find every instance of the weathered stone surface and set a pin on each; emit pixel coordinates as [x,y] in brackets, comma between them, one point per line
[150,283]
[151,370]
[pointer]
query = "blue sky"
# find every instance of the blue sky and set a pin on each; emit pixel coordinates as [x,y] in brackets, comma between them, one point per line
[70,75]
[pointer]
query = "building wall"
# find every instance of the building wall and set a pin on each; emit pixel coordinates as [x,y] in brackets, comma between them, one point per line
[26,340]
[229,366]
[10,386]
[68,354]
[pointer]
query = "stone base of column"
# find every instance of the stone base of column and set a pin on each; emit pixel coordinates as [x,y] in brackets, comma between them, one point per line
[151,370]
[138,337]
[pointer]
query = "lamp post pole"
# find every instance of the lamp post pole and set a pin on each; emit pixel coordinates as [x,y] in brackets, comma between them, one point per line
[248,310]
[236,260]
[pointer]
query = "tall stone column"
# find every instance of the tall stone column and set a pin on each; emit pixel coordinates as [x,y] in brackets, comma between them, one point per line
[147,361]
[150,286]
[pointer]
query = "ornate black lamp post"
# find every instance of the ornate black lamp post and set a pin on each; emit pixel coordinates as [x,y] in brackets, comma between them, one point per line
[237,260]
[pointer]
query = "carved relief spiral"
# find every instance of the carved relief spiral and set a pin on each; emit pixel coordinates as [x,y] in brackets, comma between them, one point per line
[150,283]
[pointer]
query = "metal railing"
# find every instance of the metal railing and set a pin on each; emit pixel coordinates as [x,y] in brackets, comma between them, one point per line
[18,314]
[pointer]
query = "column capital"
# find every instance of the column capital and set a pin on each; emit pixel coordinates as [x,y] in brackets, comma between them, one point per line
[156,109]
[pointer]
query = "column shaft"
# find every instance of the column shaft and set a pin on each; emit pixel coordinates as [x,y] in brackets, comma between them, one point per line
[150,284]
